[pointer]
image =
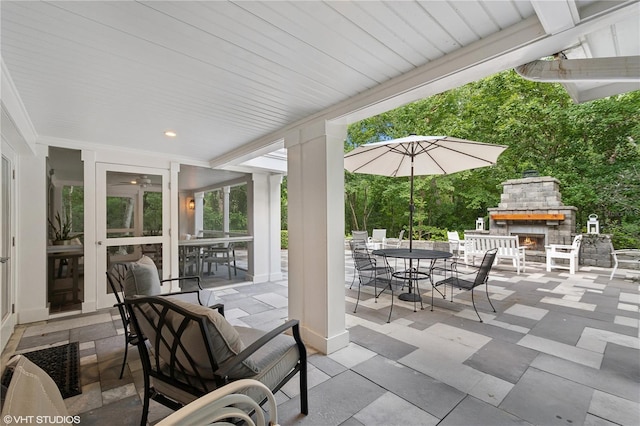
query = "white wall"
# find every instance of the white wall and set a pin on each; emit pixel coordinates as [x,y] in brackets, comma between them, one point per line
[31,238]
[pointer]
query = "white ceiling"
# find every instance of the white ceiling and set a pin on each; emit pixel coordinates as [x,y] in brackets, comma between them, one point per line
[231,77]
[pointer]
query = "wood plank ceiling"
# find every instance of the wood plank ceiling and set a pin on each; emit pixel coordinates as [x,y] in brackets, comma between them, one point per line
[224,74]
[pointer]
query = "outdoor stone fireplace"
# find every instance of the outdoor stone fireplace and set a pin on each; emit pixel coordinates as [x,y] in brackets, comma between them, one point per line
[532,208]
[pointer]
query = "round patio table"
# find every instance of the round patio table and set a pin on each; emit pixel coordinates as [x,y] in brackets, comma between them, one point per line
[413,274]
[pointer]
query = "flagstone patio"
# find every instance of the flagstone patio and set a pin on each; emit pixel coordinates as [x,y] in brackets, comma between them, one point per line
[561,350]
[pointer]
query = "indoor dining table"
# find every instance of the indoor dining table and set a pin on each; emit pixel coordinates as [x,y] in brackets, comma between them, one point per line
[72,254]
[193,247]
[413,274]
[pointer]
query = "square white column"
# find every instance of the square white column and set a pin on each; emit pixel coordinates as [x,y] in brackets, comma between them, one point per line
[315,187]
[262,207]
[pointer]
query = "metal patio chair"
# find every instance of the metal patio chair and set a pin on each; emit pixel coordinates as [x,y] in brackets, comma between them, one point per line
[473,277]
[189,350]
[372,270]
[116,277]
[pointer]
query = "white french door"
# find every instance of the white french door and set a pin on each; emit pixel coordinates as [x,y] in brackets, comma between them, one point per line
[132,214]
[7,247]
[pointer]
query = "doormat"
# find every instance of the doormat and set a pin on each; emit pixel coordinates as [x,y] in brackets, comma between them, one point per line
[61,363]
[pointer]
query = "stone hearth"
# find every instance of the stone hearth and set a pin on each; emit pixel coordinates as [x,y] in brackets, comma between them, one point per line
[532,208]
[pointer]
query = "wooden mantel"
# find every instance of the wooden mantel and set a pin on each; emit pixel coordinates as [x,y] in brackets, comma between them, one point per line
[524,216]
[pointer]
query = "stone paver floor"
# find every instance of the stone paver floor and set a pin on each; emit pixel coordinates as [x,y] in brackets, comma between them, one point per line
[560,350]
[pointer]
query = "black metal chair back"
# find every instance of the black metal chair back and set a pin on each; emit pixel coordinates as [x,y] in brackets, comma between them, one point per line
[179,354]
[481,277]
[116,275]
[368,270]
[485,267]
[362,259]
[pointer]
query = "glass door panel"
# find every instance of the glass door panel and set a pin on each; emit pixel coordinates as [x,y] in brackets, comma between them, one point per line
[132,214]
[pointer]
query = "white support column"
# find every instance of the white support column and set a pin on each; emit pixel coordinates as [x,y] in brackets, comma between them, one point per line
[258,224]
[170,225]
[275,226]
[56,200]
[31,238]
[316,233]
[199,213]
[225,208]
[91,267]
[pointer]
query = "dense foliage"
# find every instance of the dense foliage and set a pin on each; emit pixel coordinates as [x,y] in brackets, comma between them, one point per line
[591,148]
[214,212]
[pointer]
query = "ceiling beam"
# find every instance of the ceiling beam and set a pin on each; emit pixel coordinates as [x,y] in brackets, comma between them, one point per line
[600,91]
[618,70]
[556,16]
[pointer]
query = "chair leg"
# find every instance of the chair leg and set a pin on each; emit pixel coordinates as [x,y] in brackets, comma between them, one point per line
[433,289]
[126,351]
[358,300]
[488,298]
[382,291]
[419,293]
[375,289]
[390,309]
[304,399]
[145,402]
[614,271]
[235,269]
[474,306]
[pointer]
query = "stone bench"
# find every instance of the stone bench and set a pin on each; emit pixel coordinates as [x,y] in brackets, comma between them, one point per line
[508,248]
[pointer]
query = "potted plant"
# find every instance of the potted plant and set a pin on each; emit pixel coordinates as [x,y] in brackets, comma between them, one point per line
[60,230]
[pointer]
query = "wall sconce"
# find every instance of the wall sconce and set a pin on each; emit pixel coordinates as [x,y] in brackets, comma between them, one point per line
[191,204]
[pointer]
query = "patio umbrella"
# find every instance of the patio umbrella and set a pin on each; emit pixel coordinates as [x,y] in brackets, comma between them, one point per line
[420,155]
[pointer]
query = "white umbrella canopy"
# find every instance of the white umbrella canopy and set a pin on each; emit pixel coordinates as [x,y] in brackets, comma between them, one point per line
[429,155]
[421,155]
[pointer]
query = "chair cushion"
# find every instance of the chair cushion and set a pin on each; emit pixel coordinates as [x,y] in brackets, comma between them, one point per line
[275,359]
[224,337]
[142,279]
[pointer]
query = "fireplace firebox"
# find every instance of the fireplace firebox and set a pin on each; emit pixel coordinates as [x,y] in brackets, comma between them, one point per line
[533,242]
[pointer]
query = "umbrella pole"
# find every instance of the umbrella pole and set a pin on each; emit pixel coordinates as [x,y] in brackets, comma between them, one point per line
[411,208]
[411,273]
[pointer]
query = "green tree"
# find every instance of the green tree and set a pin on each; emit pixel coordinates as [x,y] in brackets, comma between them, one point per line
[591,148]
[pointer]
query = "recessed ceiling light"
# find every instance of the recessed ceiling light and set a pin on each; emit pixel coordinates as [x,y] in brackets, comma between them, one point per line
[170,134]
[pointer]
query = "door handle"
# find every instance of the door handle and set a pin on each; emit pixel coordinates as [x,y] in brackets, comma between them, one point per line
[99,243]
[4,259]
